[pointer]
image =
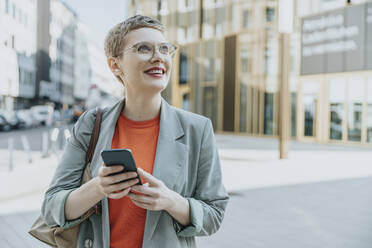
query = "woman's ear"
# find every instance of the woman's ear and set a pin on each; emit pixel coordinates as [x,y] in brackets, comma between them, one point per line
[114,66]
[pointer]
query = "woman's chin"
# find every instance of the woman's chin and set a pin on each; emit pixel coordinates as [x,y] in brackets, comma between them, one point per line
[155,86]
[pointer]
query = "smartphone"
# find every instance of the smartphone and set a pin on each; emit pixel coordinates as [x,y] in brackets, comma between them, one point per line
[120,157]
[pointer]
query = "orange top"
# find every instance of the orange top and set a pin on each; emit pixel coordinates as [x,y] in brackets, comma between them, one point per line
[127,221]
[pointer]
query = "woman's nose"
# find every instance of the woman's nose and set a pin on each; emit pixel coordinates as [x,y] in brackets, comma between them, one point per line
[157,56]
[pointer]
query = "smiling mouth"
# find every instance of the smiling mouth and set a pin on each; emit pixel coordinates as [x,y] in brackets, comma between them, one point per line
[155,72]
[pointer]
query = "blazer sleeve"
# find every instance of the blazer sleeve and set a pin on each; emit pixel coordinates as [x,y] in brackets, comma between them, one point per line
[68,174]
[208,204]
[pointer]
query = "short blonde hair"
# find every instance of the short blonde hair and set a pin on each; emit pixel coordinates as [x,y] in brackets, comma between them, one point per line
[114,41]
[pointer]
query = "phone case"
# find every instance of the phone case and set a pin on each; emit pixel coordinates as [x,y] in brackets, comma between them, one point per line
[120,157]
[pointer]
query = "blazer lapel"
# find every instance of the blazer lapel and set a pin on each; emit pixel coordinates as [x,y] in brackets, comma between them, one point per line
[170,156]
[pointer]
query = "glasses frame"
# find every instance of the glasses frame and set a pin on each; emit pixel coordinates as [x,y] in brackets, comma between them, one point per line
[154,48]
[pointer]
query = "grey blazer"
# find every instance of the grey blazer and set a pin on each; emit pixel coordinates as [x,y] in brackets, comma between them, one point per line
[186,161]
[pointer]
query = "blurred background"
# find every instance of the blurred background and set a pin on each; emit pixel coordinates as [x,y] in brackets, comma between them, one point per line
[285,79]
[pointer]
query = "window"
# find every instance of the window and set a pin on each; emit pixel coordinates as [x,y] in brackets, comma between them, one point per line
[209,104]
[270,14]
[271,57]
[14,11]
[369,110]
[258,110]
[209,61]
[245,23]
[209,72]
[186,101]
[293,113]
[245,59]
[20,75]
[183,67]
[163,8]
[336,105]
[243,107]
[251,104]
[355,102]
[13,41]
[7,6]
[269,113]
[309,101]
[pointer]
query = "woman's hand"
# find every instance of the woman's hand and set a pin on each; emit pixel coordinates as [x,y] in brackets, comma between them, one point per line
[108,185]
[154,195]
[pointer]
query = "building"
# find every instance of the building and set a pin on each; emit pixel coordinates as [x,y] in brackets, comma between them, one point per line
[228,63]
[225,61]
[335,79]
[18,49]
[56,34]
[82,68]
[68,60]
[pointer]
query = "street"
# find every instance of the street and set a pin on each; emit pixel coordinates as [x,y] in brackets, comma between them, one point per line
[33,135]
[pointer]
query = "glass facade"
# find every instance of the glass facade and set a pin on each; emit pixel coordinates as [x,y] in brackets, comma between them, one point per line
[258,112]
[209,106]
[243,34]
[293,114]
[354,108]
[337,93]
[186,102]
[269,114]
[243,107]
[183,66]
[369,110]
[309,100]
[251,101]
[209,61]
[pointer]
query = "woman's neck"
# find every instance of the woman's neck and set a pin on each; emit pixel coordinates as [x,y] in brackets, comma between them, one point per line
[142,108]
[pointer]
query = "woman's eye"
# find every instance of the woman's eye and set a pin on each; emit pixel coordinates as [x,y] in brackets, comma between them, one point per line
[164,49]
[144,48]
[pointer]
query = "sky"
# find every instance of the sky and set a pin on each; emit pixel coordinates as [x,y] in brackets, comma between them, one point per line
[99,15]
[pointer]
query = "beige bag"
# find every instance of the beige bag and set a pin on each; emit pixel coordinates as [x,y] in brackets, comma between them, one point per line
[58,236]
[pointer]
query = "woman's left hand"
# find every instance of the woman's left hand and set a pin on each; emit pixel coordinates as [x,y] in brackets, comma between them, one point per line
[155,195]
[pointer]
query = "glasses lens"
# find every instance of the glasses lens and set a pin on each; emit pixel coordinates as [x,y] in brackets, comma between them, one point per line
[165,49]
[144,48]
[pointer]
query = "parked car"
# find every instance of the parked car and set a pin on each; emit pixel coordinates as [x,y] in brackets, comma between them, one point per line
[43,114]
[12,120]
[4,125]
[26,116]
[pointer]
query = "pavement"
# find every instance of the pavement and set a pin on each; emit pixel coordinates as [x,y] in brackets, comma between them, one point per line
[254,177]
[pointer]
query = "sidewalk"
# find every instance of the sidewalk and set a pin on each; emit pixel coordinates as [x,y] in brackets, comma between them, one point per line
[242,169]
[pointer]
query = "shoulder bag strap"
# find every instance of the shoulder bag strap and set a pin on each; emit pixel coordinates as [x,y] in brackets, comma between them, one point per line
[94,137]
[88,158]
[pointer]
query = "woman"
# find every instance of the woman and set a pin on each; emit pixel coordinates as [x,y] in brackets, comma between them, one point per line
[175,152]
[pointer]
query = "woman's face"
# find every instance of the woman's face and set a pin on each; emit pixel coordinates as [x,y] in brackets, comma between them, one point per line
[143,72]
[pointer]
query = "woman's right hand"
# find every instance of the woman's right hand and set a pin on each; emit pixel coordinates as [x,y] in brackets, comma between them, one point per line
[108,185]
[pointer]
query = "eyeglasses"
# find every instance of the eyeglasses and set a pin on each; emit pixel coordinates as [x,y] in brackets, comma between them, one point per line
[147,49]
